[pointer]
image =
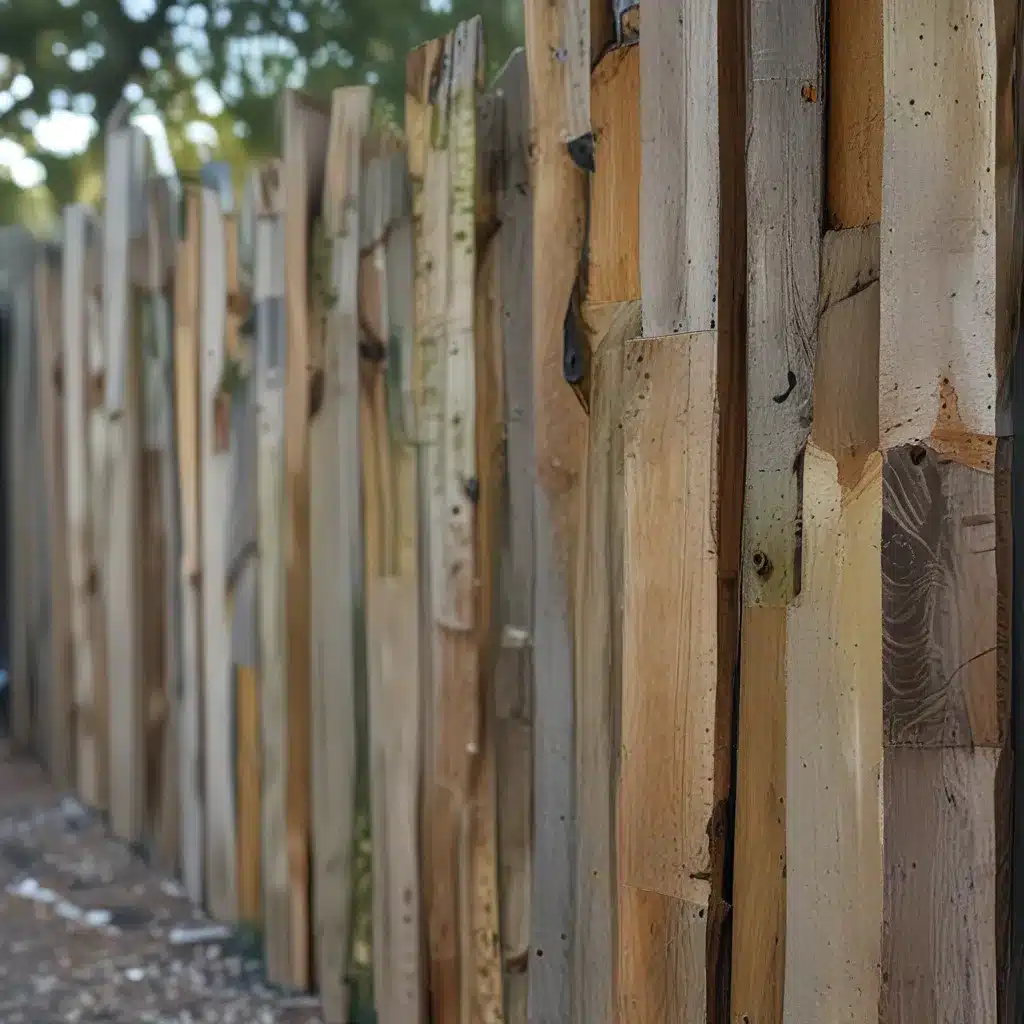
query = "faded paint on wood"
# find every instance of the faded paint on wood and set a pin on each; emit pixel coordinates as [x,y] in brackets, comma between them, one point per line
[939,940]
[80,282]
[58,755]
[513,672]
[613,244]
[303,156]
[559,449]
[221,868]
[268,296]
[127,159]
[186,407]
[679,209]
[599,668]
[938,274]
[669,664]
[335,539]
[785,108]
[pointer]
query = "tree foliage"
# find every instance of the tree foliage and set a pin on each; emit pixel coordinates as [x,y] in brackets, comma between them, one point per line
[212,70]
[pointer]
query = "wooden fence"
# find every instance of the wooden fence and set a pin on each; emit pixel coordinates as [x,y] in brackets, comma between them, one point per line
[557,565]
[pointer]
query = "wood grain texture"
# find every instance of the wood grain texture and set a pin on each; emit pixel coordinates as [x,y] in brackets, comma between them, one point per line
[599,669]
[221,869]
[126,156]
[559,446]
[834,748]
[79,285]
[942,687]
[856,115]
[669,659]
[514,677]
[335,540]
[247,787]
[679,188]
[576,45]
[186,408]
[58,755]
[303,156]
[760,871]
[268,295]
[785,112]
[939,940]
[613,263]
[938,272]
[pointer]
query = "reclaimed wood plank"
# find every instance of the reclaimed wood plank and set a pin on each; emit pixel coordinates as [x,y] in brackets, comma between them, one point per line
[559,450]
[679,118]
[50,364]
[127,156]
[669,671]
[303,155]
[221,868]
[938,257]
[268,296]
[186,406]
[785,109]
[80,280]
[335,539]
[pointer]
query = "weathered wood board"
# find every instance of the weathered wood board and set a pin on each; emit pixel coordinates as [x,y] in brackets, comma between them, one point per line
[559,434]
[334,537]
[127,158]
[669,673]
[303,155]
[58,753]
[186,407]
[268,297]
[221,868]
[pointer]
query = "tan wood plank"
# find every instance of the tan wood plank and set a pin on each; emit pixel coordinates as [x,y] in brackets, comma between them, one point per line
[669,673]
[559,451]
[268,296]
[80,280]
[303,156]
[247,787]
[186,405]
[938,221]
[221,867]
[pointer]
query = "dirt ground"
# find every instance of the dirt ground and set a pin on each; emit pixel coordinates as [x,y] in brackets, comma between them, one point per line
[90,933]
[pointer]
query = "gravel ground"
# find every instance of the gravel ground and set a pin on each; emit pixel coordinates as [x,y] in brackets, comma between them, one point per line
[90,933]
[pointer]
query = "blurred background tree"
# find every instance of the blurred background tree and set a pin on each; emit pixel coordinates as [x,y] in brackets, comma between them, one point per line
[210,71]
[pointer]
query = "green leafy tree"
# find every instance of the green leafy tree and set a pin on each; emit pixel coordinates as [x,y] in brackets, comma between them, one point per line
[211,70]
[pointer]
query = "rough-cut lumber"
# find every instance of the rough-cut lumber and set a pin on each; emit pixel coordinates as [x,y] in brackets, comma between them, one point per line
[303,154]
[186,409]
[79,286]
[268,297]
[785,106]
[57,755]
[679,177]
[513,681]
[221,868]
[577,57]
[127,154]
[334,536]
[559,445]
[392,588]
[613,244]
[599,665]
[938,255]
[669,674]
[833,696]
